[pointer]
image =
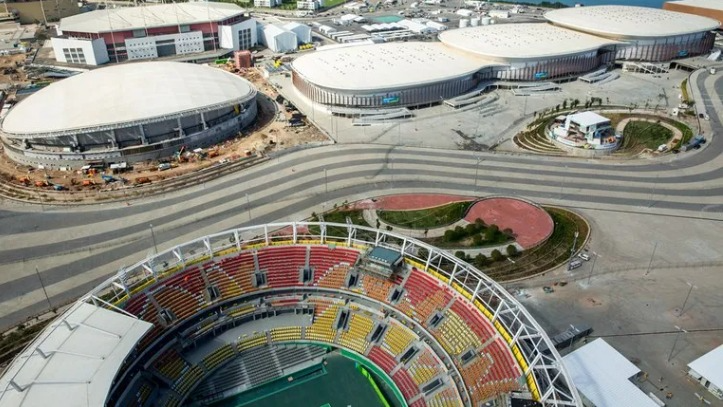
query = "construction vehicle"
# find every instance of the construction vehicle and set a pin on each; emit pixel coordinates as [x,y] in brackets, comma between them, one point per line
[88,182]
[178,156]
[58,187]
[108,178]
[24,180]
[41,183]
[142,180]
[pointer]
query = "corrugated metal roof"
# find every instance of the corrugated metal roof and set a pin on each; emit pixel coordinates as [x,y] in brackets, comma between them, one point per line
[710,366]
[602,375]
[74,361]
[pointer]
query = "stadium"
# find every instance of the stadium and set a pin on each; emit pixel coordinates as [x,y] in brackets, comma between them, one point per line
[128,113]
[244,316]
[574,41]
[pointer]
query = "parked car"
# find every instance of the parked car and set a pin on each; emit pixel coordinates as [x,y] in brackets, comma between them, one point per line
[584,256]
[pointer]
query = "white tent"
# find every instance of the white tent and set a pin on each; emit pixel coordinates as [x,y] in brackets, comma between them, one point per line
[302,31]
[278,39]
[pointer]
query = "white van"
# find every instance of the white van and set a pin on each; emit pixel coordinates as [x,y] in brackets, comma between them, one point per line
[584,256]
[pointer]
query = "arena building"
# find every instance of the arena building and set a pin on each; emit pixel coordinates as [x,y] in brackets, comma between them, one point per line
[575,41]
[152,31]
[705,8]
[127,113]
[648,34]
[258,310]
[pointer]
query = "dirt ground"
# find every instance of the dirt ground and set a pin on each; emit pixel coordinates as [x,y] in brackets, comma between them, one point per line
[269,133]
[9,72]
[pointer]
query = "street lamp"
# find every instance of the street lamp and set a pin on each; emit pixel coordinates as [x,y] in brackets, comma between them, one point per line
[677,336]
[153,235]
[593,268]
[682,309]
[651,258]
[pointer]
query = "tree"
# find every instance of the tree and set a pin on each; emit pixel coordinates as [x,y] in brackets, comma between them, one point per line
[564,104]
[557,108]
[470,229]
[576,102]
[449,235]
[496,255]
[460,255]
[477,240]
[480,260]
[511,250]
[379,223]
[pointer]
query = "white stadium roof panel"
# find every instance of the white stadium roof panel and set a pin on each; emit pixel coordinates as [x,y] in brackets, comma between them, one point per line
[522,41]
[602,375]
[386,66]
[130,18]
[709,366]
[124,93]
[74,361]
[630,21]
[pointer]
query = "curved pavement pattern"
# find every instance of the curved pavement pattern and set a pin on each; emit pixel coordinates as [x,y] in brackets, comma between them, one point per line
[73,249]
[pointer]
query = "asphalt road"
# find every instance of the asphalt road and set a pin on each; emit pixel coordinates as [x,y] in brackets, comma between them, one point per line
[74,247]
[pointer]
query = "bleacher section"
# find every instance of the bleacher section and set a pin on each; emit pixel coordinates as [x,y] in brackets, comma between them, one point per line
[170,365]
[355,338]
[488,367]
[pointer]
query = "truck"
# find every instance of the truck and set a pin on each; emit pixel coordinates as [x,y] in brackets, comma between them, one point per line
[712,71]
[695,143]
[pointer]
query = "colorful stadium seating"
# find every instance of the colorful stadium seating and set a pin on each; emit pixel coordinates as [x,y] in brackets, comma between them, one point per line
[463,327]
[170,365]
[355,338]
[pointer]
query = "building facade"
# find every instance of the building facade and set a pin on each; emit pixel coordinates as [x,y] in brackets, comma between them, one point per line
[155,31]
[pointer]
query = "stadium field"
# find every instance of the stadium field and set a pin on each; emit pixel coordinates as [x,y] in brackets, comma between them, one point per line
[337,383]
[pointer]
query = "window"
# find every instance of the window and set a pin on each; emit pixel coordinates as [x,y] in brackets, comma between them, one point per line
[74,55]
[244,39]
[139,33]
[185,28]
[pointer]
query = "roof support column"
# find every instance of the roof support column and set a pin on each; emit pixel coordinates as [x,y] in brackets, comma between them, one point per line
[143,134]
[203,121]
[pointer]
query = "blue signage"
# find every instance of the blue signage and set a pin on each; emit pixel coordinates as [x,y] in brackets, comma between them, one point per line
[541,75]
[683,53]
[390,100]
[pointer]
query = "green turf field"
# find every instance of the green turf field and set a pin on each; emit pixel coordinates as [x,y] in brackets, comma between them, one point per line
[336,384]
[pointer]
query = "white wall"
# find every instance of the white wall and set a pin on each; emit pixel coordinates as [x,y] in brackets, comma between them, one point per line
[303,32]
[94,52]
[278,39]
[147,47]
[228,35]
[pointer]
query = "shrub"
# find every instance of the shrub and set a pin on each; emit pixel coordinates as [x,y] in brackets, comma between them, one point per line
[477,240]
[449,236]
[496,255]
[511,250]
[460,255]
[480,260]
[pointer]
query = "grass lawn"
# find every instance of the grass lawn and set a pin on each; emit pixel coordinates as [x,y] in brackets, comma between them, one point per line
[426,218]
[338,217]
[638,135]
[332,3]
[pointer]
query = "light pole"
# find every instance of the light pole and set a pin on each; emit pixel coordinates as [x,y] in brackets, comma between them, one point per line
[651,258]
[592,268]
[153,235]
[572,251]
[677,336]
[682,309]
[42,285]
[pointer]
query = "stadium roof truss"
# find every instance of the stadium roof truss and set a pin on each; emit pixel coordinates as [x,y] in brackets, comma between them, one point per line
[544,373]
